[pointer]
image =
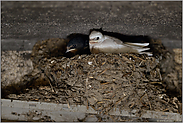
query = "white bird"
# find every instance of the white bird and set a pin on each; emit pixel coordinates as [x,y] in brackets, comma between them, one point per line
[100,43]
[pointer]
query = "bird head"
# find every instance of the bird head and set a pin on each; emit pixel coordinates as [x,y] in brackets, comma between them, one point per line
[75,44]
[78,45]
[95,37]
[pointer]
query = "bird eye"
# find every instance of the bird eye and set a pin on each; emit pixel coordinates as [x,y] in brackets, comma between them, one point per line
[73,46]
[97,38]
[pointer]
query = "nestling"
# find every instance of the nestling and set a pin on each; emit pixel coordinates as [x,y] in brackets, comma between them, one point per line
[100,43]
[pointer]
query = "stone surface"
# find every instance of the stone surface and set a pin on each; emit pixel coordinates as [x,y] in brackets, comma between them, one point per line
[28,20]
[14,65]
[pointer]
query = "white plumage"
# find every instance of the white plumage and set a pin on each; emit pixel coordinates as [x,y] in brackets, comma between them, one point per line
[100,43]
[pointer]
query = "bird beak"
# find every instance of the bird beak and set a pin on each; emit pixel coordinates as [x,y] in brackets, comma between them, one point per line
[92,41]
[70,50]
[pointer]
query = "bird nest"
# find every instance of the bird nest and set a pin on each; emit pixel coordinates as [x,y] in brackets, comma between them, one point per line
[103,81]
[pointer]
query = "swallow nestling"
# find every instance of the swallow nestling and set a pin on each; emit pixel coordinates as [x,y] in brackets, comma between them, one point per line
[78,44]
[101,43]
[125,38]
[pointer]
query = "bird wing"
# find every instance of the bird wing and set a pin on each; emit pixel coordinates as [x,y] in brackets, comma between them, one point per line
[113,45]
[140,48]
[138,44]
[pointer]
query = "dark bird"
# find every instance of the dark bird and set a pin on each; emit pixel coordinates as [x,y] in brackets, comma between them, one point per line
[78,44]
[108,42]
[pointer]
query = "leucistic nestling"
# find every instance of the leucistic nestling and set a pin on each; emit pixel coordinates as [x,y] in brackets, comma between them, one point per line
[101,43]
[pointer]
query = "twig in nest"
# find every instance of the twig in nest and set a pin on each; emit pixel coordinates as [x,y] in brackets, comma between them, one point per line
[54,77]
[100,102]
[94,98]
[68,104]
[107,92]
[120,100]
[112,118]
[105,83]
[149,102]
[99,108]
[126,74]
[86,84]
[51,87]
[142,96]
[106,99]
[136,57]
[131,74]
[112,105]
[156,83]
[165,110]
[174,102]
[87,103]
[132,104]
[162,101]
[126,59]
[113,95]
[95,60]
[159,74]
[106,108]
[125,85]
[99,118]
[133,67]
[144,104]
[48,79]
[141,63]
[103,71]
[93,107]
[104,62]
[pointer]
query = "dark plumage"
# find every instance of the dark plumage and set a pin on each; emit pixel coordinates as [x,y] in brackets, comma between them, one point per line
[78,44]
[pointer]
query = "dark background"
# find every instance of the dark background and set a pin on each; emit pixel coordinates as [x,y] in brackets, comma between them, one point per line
[24,23]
